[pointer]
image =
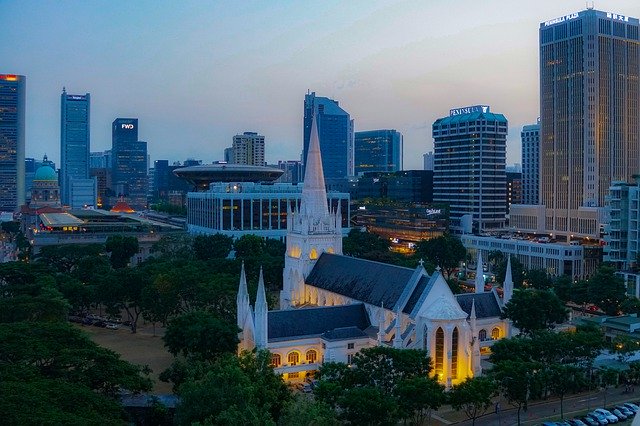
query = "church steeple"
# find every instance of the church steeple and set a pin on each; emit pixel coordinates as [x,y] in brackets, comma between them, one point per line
[261,314]
[314,193]
[507,286]
[479,274]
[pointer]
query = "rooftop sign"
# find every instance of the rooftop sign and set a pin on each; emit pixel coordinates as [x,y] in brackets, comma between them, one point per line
[617,17]
[561,19]
[469,110]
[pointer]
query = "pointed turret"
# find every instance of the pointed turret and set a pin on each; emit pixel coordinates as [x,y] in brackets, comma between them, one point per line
[397,340]
[472,316]
[242,299]
[479,274]
[314,193]
[381,324]
[261,313]
[476,368]
[507,286]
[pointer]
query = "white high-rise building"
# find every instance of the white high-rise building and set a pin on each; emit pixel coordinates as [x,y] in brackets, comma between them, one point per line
[530,137]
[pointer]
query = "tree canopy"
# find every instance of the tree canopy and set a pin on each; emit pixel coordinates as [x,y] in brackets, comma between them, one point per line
[445,251]
[532,310]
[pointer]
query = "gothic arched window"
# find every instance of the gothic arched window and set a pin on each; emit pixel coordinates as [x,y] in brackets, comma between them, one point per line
[482,335]
[293,358]
[276,360]
[495,333]
[312,356]
[454,354]
[439,352]
[425,338]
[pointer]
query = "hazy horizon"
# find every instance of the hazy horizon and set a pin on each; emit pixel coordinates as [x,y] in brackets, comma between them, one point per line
[196,73]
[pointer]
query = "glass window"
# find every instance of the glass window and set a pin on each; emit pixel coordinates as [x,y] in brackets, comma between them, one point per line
[293,358]
[454,354]
[439,352]
[276,360]
[495,333]
[482,335]
[312,356]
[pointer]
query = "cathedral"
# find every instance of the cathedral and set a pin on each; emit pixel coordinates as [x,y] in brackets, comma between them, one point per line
[332,305]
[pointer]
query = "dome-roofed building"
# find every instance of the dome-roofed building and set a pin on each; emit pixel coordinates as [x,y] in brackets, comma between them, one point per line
[45,190]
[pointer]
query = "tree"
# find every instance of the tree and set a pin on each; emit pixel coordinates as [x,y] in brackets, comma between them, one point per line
[565,379]
[538,279]
[368,405]
[563,288]
[606,290]
[206,247]
[445,251]
[67,258]
[417,397]
[532,310]
[201,334]
[121,248]
[517,380]
[631,306]
[361,243]
[473,396]
[123,289]
[302,411]
[249,246]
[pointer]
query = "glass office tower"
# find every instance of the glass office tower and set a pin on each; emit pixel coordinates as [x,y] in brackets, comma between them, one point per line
[74,141]
[12,141]
[378,151]
[589,115]
[129,163]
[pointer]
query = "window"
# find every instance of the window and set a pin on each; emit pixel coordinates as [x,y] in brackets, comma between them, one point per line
[349,359]
[482,335]
[276,360]
[293,358]
[350,345]
[454,354]
[439,352]
[312,356]
[495,333]
[294,375]
[425,338]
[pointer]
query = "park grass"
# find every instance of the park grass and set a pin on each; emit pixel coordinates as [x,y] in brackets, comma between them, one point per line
[142,348]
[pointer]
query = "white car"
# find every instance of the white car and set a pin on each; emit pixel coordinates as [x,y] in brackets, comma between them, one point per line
[112,326]
[607,415]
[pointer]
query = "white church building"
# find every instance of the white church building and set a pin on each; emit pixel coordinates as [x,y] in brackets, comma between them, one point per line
[333,305]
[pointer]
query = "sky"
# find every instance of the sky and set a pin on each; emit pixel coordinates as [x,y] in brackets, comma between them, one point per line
[195,73]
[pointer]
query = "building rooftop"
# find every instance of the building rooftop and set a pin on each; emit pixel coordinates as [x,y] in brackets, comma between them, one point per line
[201,176]
[337,321]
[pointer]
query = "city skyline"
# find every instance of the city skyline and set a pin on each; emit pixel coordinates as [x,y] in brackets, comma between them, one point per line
[150,60]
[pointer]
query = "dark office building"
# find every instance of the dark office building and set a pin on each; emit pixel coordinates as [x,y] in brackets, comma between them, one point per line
[514,189]
[378,151]
[166,183]
[74,141]
[469,167]
[292,171]
[335,131]
[412,186]
[12,127]
[129,158]
[589,115]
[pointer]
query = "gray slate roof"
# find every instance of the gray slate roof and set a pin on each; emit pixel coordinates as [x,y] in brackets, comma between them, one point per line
[486,304]
[415,296]
[344,333]
[364,280]
[316,321]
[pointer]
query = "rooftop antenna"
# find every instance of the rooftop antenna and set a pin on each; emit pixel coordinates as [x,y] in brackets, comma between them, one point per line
[593,5]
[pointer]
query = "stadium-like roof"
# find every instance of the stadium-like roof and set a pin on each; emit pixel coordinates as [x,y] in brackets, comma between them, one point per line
[201,176]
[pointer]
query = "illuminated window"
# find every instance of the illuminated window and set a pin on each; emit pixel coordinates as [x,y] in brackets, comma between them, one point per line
[293,375]
[312,356]
[314,254]
[439,352]
[276,360]
[293,358]
[482,335]
[495,333]
[454,353]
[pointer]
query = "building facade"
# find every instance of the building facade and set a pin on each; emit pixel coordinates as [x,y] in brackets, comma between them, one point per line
[589,115]
[427,161]
[413,186]
[335,129]
[12,141]
[378,151]
[332,306]
[514,189]
[292,171]
[530,138]
[129,163]
[622,232]
[75,142]
[469,166]
[248,148]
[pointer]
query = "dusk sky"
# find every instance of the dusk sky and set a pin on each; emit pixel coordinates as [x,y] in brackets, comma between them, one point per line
[196,73]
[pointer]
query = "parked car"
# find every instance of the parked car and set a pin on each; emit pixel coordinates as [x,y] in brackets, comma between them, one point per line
[577,422]
[618,413]
[607,414]
[549,424]
[591,421]
[625,410]
[631,406]
[601,419]
[112,326]
[100,323]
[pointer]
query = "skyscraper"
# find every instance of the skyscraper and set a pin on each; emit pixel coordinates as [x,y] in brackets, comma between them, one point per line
[378,151]
[12,141]
[469,166]
[248,148]
[74,141]
[589,115]
[335,130]
[530,137]
[129,162]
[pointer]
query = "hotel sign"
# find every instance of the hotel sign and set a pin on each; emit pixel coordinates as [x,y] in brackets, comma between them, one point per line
[561,19]
[617,17]
[469,110]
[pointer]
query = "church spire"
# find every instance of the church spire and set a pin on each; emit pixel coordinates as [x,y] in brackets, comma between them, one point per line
[507,286]
[479,274]
[314,193]
[397,340]
[242,299]
[261,313]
